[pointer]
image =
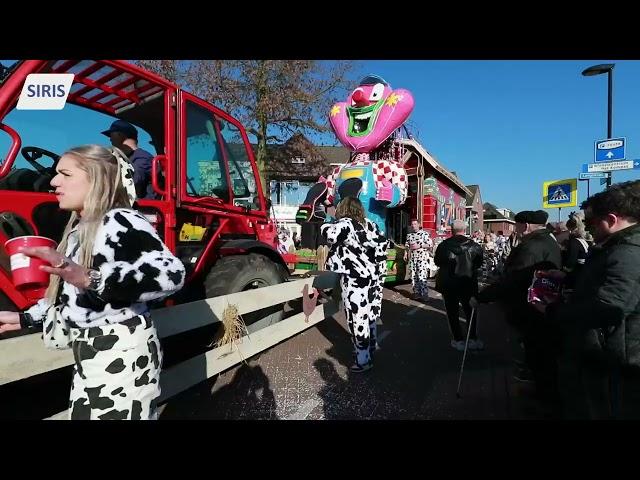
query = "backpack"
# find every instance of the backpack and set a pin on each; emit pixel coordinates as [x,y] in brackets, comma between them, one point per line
[464,262]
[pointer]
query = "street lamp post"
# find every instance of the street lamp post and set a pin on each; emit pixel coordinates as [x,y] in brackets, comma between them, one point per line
[597,70]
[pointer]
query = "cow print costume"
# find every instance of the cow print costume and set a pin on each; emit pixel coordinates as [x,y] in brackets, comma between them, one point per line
[116,347]
[419,245]
[358,254]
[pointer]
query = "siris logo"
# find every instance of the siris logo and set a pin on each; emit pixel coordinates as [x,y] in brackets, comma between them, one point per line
[45,91]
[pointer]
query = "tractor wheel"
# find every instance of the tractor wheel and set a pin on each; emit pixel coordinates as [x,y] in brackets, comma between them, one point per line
[247,272]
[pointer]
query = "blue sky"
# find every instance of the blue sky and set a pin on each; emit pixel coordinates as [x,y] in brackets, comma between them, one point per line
[505,125]
[508,126]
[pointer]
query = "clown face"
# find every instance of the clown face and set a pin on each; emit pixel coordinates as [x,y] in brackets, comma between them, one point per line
[370,115]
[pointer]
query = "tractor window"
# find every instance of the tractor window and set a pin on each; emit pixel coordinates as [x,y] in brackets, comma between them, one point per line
[52,132]
[243,183]
[206,172]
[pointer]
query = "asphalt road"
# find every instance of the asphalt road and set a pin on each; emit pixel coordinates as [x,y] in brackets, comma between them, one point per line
[415,375]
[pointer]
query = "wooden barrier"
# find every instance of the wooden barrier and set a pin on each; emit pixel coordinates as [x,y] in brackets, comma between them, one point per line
[26,356]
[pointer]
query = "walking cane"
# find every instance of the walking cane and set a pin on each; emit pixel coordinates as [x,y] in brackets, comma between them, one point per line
[464,356]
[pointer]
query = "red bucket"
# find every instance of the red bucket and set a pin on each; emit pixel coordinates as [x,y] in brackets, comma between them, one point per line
[25,271]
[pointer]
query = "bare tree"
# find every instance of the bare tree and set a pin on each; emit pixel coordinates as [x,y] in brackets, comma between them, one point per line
[173,70]
[271,98]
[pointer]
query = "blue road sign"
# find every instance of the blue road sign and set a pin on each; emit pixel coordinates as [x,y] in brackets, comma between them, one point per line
[610,150]
[559,193]
[588,175]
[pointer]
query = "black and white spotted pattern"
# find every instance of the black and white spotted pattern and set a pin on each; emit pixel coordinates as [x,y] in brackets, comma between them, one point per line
[126,176]
[136,267]
[359,254]
[116,375]
[358,297]
[419,245]
[355,250]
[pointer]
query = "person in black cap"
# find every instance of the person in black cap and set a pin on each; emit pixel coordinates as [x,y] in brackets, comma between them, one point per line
[537,250]
[125,136]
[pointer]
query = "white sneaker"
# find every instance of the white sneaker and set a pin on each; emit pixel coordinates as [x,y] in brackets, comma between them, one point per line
[355,368]
[476,344]
[458,345]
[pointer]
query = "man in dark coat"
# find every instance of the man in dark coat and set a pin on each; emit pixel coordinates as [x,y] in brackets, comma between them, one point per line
[602,318]
[537,250]
[458,259]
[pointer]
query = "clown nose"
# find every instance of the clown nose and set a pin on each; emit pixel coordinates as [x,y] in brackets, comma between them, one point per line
[359,98]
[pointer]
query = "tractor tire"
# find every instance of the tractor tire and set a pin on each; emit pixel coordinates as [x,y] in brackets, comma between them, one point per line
[239,273]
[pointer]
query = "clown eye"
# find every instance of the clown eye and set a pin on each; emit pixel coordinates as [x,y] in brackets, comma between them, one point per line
[376,93]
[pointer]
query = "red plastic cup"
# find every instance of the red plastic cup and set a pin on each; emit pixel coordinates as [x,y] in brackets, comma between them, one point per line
[25,271]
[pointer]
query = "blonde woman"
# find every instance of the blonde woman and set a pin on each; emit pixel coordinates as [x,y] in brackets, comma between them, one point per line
[109,264]
[357,252]
[576,248]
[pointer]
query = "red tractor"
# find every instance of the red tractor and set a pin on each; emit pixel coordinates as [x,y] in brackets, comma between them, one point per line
[210,208]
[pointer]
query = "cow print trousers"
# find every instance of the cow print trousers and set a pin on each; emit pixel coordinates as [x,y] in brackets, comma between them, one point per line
[419,264]
[362,298]
[116,375]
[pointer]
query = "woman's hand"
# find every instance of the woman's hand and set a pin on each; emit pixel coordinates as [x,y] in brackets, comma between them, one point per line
[9,321]
[69,271]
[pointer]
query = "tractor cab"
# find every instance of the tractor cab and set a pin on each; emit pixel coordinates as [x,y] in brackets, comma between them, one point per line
[208,200]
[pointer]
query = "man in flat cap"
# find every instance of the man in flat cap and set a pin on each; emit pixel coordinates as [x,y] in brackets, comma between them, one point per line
[537,250]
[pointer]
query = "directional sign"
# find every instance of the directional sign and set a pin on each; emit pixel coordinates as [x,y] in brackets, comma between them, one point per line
[560,193]
[610,166]
[588,175]
[610,150]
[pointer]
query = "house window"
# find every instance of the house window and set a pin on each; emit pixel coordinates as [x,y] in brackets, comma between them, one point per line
[288,193]
[297,159]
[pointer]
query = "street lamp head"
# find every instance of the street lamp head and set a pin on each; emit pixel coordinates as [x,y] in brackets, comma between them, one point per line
[598,69]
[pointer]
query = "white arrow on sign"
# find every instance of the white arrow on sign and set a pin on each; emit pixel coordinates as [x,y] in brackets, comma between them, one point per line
[609,155]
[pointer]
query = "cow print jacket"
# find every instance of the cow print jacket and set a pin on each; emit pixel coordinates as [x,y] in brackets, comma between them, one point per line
[136,267]
[420,240]
[356,250]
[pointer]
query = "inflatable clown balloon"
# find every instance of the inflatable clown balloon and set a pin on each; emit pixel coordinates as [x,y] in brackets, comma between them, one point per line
[366,124]
[370,115]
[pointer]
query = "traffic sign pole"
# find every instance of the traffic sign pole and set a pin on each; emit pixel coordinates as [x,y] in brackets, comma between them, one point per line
[610,113]
[586,180]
